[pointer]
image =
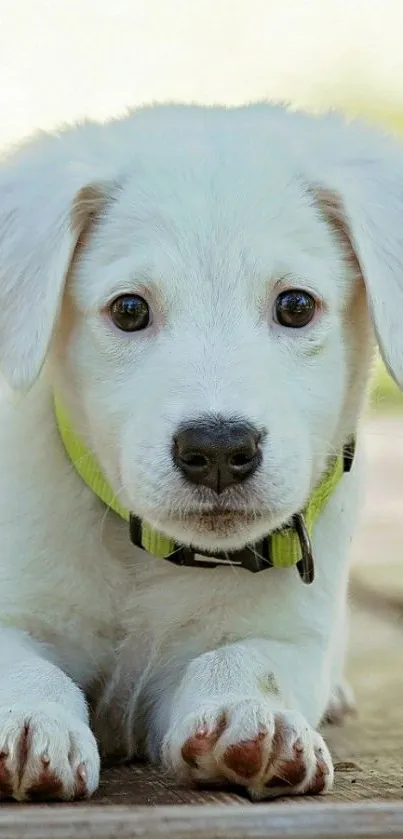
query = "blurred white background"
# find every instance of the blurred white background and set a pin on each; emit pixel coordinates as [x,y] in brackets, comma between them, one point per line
[64,59]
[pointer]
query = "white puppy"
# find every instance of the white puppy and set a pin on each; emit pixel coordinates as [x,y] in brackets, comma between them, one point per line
[197,289]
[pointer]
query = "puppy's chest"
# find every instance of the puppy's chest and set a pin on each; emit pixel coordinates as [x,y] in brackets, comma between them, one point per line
[212,606]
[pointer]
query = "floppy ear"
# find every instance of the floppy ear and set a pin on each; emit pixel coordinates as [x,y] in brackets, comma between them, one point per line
[45,205]
[362,196]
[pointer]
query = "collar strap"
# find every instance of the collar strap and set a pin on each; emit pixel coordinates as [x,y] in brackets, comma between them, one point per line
[281,549]
[267,553]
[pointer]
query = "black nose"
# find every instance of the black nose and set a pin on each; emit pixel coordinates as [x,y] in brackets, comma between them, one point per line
[217,453]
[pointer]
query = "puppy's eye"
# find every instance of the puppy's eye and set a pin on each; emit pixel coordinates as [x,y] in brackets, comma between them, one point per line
[130,313]
[294,308]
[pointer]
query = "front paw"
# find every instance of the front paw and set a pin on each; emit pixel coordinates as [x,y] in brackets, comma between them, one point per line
[46,753]
[245,742]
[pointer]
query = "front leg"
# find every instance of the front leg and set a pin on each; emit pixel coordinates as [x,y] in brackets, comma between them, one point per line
[229,720]
[47,750]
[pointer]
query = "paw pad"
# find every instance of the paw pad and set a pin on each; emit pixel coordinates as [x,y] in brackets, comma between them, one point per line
[201,743]
[290,773]
[246,758]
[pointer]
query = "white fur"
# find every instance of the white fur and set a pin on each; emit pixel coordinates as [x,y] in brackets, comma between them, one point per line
[209,213]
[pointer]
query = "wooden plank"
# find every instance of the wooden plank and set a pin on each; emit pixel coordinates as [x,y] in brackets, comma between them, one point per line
[271,821]
[138,785]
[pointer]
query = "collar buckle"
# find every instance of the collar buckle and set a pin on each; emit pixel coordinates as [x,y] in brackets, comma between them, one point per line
[255,558]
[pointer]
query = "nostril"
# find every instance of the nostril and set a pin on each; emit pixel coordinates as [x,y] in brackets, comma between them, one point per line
[242,464]
[241,459]
[244,456]
[195,460]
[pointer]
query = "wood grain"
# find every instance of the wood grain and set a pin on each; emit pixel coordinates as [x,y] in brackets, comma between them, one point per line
[273,821]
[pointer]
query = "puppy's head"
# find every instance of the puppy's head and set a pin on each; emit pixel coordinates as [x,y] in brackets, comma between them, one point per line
[200,283]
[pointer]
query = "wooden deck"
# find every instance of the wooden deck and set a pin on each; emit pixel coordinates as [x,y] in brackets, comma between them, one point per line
[368,751]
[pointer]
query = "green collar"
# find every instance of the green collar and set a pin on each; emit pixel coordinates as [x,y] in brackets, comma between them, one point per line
[282,549]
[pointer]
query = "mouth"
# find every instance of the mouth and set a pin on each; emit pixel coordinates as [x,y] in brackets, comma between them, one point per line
[219,522]
[212,522]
